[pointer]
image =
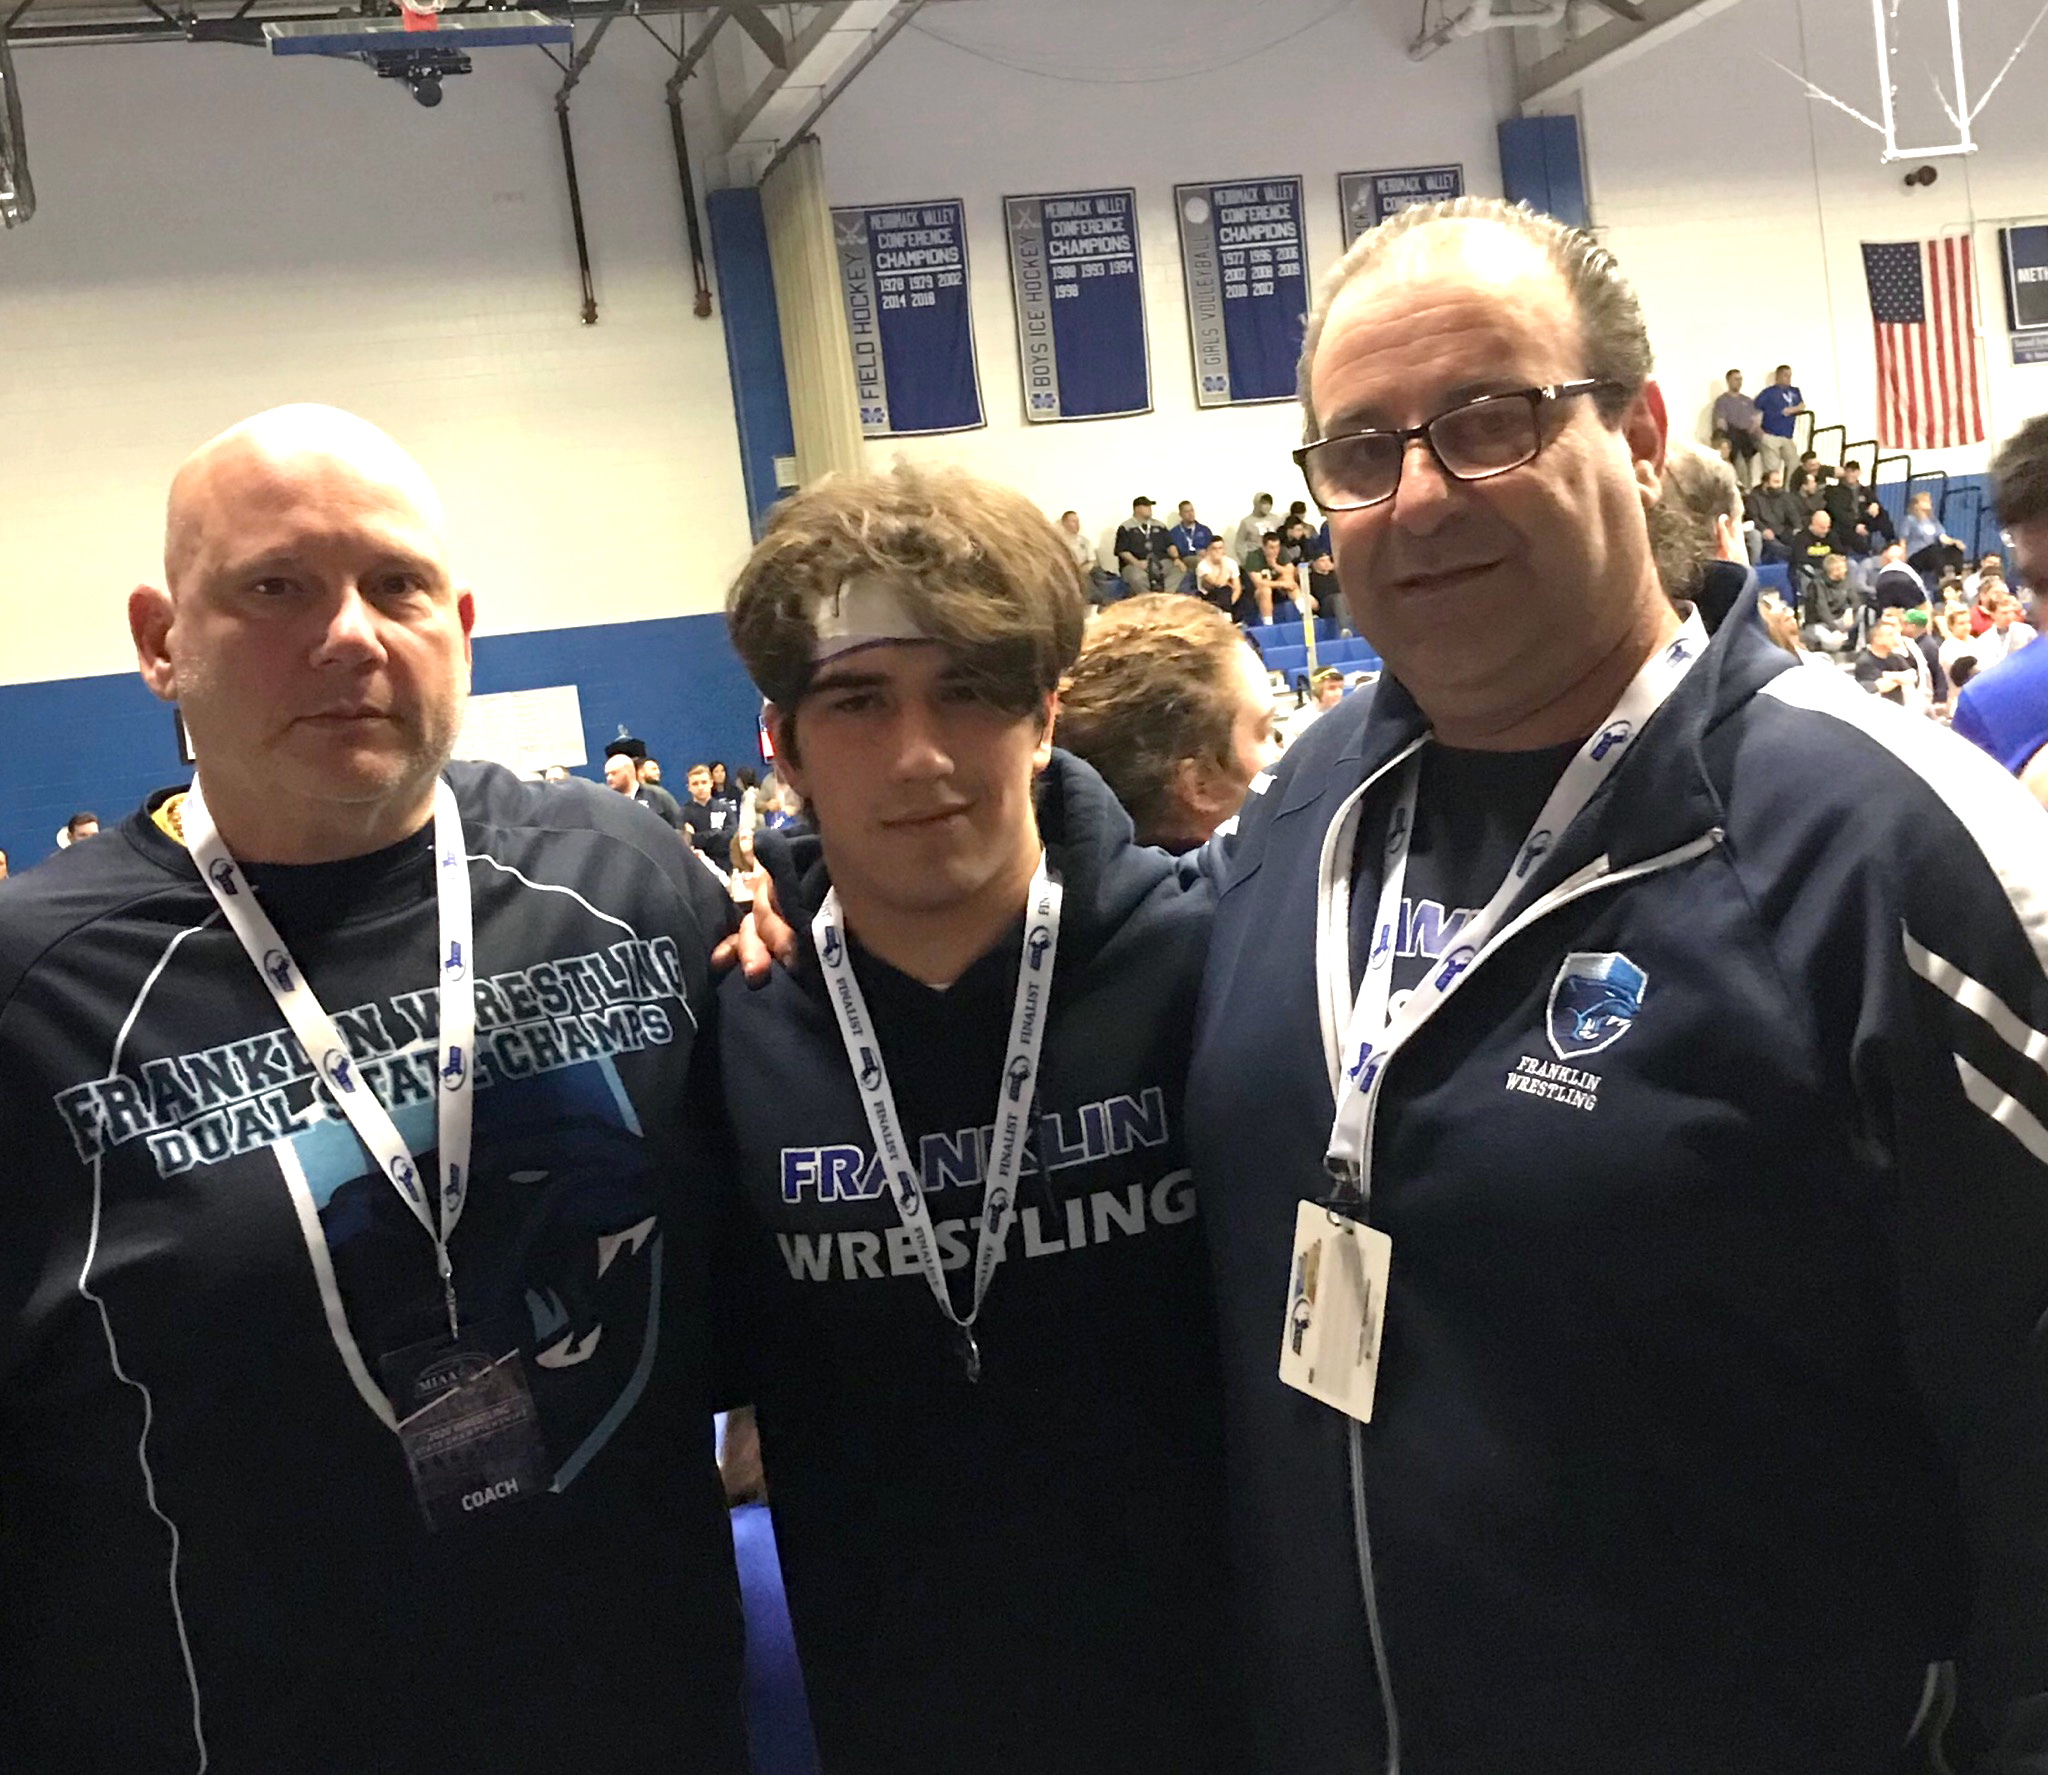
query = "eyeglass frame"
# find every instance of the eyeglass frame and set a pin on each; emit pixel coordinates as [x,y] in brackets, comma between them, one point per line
[1537,397]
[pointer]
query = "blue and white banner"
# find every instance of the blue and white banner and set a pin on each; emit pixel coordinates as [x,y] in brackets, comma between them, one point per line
[1080,304]
[1241,253]
[2026,291]
[903,271]
[1368,199]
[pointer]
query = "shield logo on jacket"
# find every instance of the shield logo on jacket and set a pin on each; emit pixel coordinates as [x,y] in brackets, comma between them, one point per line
[1594,1001]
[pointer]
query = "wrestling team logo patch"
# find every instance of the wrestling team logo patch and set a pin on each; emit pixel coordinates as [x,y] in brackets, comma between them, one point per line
[1594,1001]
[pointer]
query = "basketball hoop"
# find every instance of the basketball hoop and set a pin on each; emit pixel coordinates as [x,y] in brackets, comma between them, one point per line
[1884,21]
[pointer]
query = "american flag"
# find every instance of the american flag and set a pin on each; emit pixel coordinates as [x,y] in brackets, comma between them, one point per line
[1923,309]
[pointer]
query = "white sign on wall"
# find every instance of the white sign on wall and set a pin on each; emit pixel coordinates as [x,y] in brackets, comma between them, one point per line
[524,730]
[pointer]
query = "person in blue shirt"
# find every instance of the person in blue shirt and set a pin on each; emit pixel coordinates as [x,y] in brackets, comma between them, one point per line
[1188,539]
[2006,711]
[1780,403]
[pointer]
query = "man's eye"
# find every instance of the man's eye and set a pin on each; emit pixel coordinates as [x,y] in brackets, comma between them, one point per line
[402,585]
[272,588]
[856,702]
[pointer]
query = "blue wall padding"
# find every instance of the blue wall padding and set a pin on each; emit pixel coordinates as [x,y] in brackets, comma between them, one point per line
[104,743]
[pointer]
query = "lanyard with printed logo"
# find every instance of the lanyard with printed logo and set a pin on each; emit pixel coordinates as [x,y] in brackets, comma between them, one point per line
[900,1165]
[324,1045]
[1371,1034]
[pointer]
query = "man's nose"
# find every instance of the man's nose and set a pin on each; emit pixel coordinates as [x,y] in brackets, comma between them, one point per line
[1426,495]
[351,634]
[921,749]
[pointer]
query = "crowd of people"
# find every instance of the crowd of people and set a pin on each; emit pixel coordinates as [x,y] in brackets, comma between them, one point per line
[1509,1236]
[1271,568]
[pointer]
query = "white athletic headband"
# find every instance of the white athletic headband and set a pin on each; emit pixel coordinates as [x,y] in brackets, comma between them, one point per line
[867,611]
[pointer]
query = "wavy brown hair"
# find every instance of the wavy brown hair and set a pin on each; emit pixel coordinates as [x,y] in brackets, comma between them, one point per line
[981,569]
[1153,686]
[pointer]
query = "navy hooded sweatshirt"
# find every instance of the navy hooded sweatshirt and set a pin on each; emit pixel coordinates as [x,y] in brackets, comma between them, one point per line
[1023,1574]
[1713,1402]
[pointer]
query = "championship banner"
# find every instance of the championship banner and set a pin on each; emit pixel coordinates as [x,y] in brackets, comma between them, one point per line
[1080,304]
[903,271]
[1368,199]
[1241,253]
[2025,253]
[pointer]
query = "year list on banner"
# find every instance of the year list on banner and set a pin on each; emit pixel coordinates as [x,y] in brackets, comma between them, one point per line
[1074,270]
[1241,253]
[903,271]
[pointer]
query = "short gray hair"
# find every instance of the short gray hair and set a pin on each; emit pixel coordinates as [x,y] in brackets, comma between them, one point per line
[1611,329]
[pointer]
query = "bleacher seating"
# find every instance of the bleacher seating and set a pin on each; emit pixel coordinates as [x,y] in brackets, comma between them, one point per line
[1284,651]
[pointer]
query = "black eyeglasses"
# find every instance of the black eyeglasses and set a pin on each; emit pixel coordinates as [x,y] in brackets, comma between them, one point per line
[1472,442]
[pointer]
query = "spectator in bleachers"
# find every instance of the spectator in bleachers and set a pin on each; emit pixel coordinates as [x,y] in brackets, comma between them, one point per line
[1297,539]
[1276,581]
[1776,515]
[1828,605]
[1895,582]
[708,821]
[80,826]
[1928,547]
[1189,536]
[1325,692]
[2007,714]
[1144,552]
[1322,585]
[1739,423]
[622,776]
[1883,667]
[1078,544]
[1917,633]
[1779,407]
[1253,525]
[1173,708]
[1814,544]
[1991,565]
[1955,643]
[1695,531]
[1861,523]
[1990,588]
[3,865]
[1809,492]
[1220,581]
[2006,634]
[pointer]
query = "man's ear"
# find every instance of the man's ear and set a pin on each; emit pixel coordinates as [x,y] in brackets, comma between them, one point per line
[1647,426]
[1199,791]
[781,724]
[465,612]
[1041,754]
[150,616]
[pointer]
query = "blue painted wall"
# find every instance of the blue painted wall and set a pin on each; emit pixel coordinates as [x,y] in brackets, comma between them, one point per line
[1540,165]
[753,342]
[105,743]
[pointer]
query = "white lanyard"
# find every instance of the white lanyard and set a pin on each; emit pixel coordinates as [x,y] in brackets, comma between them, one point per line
[1013,1105]
[1371,1035]
[323,1043]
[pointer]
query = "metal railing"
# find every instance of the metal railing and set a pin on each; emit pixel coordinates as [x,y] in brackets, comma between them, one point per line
[1841,432]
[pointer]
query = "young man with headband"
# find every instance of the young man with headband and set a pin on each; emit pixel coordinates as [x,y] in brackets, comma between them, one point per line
[986,1381]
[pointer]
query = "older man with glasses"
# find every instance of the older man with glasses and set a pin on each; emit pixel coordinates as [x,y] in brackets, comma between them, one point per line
[1618,1379]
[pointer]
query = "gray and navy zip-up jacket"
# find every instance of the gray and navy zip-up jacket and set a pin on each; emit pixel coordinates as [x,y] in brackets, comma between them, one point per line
[1713,1407]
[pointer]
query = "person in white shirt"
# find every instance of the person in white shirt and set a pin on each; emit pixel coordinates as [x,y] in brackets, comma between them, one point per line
[2006,635]
[1956,640]
[1218,579]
